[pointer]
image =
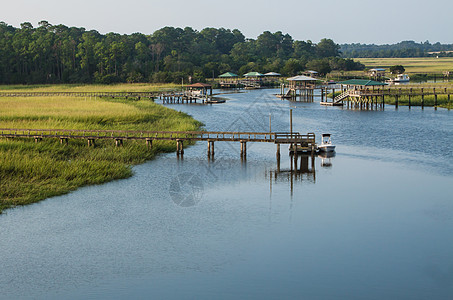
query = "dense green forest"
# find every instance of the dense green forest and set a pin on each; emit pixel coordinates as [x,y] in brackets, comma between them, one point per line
[402,49]
[61,54]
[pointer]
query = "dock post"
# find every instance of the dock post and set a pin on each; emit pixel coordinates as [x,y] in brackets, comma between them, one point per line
[179,148]
[410,95]
[278,152]
[423,99]
[118,142]
[435,99]
[212,149]
[209,149]
[149,143]
[243,149]
[63,140]
[295,158]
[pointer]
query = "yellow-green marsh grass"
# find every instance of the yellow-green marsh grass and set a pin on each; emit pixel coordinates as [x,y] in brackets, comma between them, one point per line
[412,65]
[30,172]
[124,87]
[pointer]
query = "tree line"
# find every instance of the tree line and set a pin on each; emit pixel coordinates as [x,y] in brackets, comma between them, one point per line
[60,54]
[401,49]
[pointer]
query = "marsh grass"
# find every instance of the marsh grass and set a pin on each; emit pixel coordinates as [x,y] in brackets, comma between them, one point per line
[428,100]
[30,172]
[124,87]
[412,65]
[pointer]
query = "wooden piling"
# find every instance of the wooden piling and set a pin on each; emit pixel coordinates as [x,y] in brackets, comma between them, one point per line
[118,142]
[435,99]
[212,149]
[243,149]
[423,99]
[149,143]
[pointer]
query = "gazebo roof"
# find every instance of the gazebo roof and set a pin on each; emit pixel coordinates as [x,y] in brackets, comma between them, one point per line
[228,75]
[301,78]
[362,82]
[272,74]
[253,74]
[200,85]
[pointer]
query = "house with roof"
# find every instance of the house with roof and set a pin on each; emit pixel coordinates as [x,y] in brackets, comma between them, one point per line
[376,73]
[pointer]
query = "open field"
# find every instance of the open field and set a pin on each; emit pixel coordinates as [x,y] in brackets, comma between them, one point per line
[30,172]
[412,65]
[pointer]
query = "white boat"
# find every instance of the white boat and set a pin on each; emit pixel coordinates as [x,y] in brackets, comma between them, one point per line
[400,78]
[326,143]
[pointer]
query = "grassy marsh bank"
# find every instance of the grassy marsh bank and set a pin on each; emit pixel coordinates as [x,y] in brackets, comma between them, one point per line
[428,100]
[126,87]
[412,64]
[31,172]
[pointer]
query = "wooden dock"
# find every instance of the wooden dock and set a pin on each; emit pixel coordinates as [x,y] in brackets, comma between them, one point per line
[306,141]
[366,98]
[186,97]
[126,95]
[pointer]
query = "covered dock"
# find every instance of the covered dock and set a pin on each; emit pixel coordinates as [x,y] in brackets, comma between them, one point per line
[298,86]
[229,80]
[361,93]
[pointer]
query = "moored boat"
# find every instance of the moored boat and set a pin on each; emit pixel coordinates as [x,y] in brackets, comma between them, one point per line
[400,78]
[326,143]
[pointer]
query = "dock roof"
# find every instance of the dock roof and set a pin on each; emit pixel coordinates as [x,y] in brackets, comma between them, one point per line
[362,82]
[228,75]
[200,85]
[272,74]
[253,74]
[301,78]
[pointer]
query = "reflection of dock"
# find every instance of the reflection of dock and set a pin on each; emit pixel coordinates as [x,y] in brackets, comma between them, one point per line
[302,168]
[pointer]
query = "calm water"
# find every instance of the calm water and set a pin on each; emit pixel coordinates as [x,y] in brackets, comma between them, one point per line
[373,222]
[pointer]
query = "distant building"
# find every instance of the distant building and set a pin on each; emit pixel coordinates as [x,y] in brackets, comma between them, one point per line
[376,73]
[310,73]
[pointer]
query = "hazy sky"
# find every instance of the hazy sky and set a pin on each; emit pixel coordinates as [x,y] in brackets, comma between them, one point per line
[347,21]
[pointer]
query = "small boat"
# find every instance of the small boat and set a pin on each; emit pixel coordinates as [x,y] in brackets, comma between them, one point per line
[326,143]
[215,101]
[400,78]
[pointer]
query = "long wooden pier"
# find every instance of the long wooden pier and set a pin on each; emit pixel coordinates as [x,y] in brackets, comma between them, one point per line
[137,95]
[306,142]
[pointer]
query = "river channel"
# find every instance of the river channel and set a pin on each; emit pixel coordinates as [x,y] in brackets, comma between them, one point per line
[373,222]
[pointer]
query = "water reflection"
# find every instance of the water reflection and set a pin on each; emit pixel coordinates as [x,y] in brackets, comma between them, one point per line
[326,159]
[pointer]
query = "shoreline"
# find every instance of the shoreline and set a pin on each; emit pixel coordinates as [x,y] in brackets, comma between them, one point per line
[31,172]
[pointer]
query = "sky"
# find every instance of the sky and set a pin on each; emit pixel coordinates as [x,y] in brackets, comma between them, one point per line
[344,21]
